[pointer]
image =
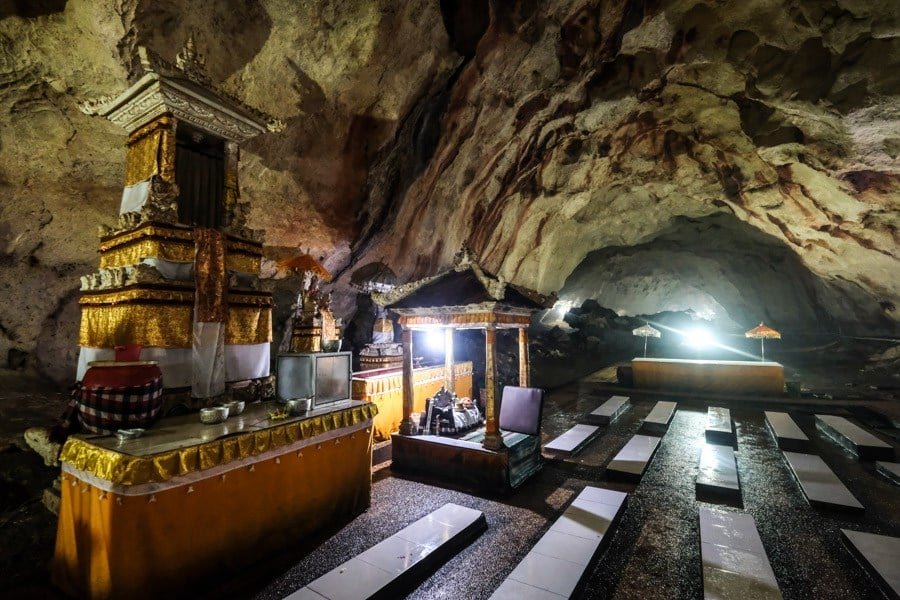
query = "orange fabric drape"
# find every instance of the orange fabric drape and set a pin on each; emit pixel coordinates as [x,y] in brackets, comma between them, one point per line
[116,546]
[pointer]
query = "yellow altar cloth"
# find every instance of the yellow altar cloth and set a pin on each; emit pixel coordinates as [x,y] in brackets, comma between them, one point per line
[137,526]
[384,388]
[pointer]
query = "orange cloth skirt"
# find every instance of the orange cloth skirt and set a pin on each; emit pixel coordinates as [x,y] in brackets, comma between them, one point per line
[120,545]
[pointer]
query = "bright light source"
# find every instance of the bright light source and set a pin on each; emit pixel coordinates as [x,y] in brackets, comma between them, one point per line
[434,339]
[699,338]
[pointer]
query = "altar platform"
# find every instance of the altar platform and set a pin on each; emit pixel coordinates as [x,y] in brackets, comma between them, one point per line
[145,517]
[384,387]
[709,376]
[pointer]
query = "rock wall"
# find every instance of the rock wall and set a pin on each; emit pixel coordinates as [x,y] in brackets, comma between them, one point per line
[544,135]
[581,126]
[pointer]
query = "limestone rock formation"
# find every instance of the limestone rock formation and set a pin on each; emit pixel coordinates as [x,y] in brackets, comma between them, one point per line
[588,146]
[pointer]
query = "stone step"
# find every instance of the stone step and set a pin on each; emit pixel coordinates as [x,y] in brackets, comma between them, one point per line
[609,411]
[632,460]
[557,565]
[572,441]
[717,476]
[889,470]
[879,555]
[392,567]
[659,418]
[854,438]
[719,428]
[819,484]
[787,434]
[735,564]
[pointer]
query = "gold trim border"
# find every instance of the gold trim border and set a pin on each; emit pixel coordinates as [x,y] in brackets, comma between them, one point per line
[123,469]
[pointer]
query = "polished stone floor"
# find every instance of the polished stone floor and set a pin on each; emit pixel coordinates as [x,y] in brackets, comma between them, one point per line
[654,553]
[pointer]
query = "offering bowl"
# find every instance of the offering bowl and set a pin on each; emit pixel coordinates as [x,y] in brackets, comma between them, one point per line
[213,415]
[235,407]
[299,406]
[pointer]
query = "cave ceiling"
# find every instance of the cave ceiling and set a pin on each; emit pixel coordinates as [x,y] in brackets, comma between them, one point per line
[536,133]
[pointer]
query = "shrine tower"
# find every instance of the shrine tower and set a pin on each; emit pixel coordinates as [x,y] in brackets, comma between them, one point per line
[179,274]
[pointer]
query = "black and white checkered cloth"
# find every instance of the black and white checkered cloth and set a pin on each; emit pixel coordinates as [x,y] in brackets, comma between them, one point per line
[106,409]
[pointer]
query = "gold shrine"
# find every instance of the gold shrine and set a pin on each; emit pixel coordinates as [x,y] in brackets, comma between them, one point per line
[181,177]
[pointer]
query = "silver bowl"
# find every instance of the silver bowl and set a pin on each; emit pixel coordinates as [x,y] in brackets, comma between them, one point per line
[299,406]
[129,434]
[235,407]
[213,415]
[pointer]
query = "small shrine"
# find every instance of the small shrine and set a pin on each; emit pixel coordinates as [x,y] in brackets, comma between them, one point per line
[468,297]
[178,278]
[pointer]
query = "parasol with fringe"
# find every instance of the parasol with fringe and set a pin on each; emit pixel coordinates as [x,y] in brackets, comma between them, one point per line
[646,331]
[305,263]
[762,333]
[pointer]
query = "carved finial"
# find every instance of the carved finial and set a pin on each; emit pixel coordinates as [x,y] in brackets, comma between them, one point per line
[191,61]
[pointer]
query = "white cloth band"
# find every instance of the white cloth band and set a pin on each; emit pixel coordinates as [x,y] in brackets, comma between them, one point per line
[242,362]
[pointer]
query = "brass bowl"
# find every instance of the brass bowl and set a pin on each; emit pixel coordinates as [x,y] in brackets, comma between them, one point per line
[213,415]
[235,407]
[299,406]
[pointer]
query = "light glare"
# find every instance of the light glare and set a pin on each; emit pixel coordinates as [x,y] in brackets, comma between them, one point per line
[699,338]
[434,339]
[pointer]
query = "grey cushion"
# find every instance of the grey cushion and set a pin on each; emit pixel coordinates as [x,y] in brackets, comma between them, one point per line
[520,410]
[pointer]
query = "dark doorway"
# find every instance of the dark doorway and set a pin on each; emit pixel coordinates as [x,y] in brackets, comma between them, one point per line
[200,175]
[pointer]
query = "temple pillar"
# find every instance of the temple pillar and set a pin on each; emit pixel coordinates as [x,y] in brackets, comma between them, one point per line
[493,440]
[524,366]
[448,360]
[406,425]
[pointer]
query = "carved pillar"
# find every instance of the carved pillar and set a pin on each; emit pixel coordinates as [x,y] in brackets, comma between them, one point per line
[232,156]
[524,365]
[450,376]
[492,438]
[406,425]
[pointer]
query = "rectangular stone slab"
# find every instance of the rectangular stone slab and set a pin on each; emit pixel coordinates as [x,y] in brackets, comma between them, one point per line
[787,434]
[390,568]
[572,441]
[719,428]
[854,438]
[819,484]
[609,411]
[880,555]
[557,565]
[889,470]
[660,417]
[734,561]
[717,475]
[633,458]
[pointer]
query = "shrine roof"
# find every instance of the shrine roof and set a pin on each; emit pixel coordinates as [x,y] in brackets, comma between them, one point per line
[467,284]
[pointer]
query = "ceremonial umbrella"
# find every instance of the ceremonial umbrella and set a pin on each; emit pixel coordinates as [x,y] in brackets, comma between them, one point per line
[646,331]
[375,276]
[305,263]
[762,333]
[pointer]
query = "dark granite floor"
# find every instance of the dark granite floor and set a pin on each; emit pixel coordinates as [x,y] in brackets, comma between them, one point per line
[655,551]
[653,554]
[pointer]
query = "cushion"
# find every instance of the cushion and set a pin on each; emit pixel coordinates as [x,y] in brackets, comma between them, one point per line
[520,410]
